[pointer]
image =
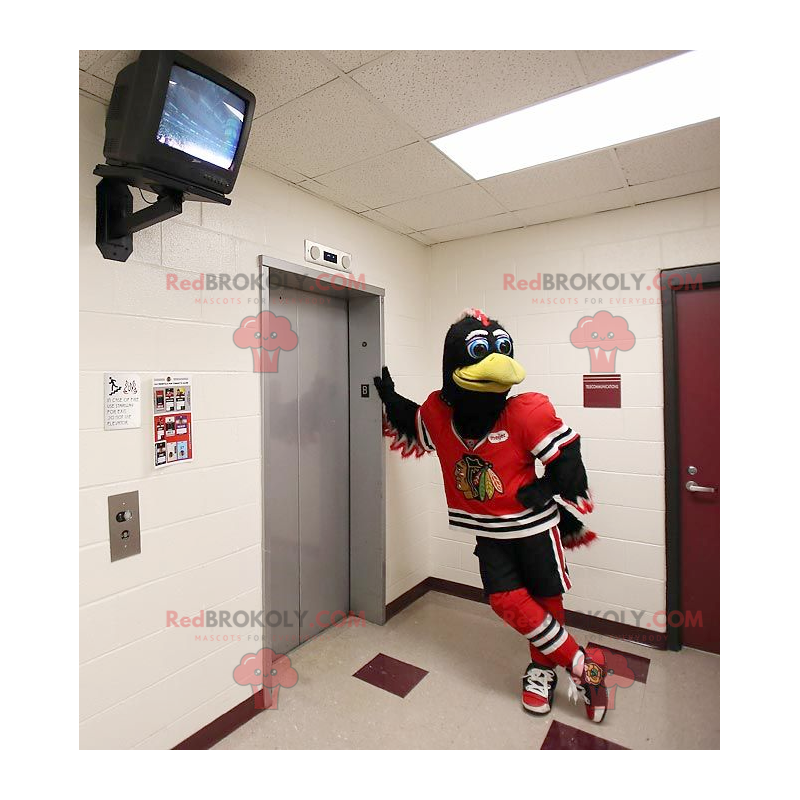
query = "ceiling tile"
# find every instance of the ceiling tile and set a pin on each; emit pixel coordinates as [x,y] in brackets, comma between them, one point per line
[677,152]
[478,227]
[444,208]
[675,187]
[576,207]
[326,129]
[329,194]
[399,175]
[258,153]
[88,57]
[95,86]
[274,76]
[387,222]
[348,60]
[601,64]
[438,91]
[109,64]
[422,238]
[588,174]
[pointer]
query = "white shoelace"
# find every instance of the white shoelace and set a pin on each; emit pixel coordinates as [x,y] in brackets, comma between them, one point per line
[575,690]
[538,681]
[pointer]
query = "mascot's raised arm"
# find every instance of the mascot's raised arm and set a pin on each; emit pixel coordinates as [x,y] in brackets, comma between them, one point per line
[488,445]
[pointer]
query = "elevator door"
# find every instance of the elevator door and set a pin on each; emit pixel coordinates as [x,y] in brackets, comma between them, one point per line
[308,487]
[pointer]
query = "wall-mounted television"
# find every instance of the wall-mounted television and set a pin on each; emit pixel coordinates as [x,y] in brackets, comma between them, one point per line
[171,114]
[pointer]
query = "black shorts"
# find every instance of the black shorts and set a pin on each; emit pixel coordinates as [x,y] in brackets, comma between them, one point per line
[535,563]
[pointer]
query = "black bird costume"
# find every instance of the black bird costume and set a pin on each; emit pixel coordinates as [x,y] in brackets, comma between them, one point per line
[488,445]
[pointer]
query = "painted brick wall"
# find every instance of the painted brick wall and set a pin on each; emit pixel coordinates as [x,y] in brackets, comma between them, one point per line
[142,685]
[623,448]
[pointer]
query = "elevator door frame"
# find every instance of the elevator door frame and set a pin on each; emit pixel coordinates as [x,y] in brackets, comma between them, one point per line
[367,473]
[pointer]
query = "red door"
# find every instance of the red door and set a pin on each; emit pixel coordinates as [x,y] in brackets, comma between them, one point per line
[697,356]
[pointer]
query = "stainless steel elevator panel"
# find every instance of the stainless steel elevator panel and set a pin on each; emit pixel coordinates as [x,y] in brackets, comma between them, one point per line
[309,488]
[324,462]
[282,488]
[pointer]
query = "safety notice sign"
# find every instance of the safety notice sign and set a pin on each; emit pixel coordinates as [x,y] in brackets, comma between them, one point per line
[122,395]
[172,419]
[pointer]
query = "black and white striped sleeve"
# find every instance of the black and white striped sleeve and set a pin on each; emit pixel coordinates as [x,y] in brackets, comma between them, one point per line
[549,447]
[423,437]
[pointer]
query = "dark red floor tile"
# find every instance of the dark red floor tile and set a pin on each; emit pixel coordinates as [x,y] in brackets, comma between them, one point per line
[388,673]
[627,664]
[565,737]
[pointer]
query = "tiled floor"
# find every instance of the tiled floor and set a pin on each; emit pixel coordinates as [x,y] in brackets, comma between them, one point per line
[470,696]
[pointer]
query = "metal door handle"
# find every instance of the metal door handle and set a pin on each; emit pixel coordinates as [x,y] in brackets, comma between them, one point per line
[693,486]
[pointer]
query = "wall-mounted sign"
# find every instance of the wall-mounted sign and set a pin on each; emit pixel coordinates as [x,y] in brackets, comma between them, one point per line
[602,391]
[172,419]
[122,392]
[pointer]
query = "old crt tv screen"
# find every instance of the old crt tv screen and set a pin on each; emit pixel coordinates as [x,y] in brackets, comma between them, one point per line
[176,116]
[201,118]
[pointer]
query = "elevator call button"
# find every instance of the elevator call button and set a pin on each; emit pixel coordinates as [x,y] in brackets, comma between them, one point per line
[124,530]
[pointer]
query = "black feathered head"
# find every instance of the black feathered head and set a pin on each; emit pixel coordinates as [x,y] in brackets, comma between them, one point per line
[478,363]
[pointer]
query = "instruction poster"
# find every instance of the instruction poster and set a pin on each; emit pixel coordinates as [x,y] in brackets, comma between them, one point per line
[172,419]
[122,401]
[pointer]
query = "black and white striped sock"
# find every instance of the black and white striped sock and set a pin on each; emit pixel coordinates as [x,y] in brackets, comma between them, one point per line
[548,636]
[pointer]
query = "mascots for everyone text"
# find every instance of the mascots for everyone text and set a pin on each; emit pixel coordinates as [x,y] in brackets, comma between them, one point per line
[487,444]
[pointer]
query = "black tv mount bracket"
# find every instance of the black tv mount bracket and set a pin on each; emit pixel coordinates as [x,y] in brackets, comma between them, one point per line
[116,219]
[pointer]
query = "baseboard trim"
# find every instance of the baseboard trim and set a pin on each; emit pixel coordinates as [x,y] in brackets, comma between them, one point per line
[455,589]
[575,619]
[222,726]
[406,599]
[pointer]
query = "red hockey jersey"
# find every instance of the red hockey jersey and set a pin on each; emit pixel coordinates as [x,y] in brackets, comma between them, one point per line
[481,481]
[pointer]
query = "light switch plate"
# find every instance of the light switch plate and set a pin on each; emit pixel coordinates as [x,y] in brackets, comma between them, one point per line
[124,528]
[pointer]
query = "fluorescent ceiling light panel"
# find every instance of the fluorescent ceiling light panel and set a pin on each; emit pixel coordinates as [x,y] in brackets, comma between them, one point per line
[680,91]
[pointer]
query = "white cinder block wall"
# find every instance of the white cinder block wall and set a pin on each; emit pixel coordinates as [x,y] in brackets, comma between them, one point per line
[142,685]
[623,448]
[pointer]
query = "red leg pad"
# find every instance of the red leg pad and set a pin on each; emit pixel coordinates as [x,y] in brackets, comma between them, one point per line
[530,618]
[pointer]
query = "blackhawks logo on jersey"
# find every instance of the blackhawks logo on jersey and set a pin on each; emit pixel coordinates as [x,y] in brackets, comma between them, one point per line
[476,478]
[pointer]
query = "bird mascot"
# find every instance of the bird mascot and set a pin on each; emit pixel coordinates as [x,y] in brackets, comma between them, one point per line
[488,444]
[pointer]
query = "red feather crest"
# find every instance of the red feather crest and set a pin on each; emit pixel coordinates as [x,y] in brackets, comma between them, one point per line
[476,313]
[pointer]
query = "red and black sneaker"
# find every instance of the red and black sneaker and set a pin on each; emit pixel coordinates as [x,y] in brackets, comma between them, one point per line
[590,684]
[538,687]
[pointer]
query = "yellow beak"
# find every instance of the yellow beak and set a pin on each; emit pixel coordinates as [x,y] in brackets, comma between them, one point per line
[495,373]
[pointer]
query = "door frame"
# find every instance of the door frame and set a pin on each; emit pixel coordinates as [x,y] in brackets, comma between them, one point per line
[671,281]
[366,458]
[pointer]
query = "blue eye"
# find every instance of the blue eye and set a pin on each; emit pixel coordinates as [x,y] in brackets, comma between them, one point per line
[503,345]
[478,348]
